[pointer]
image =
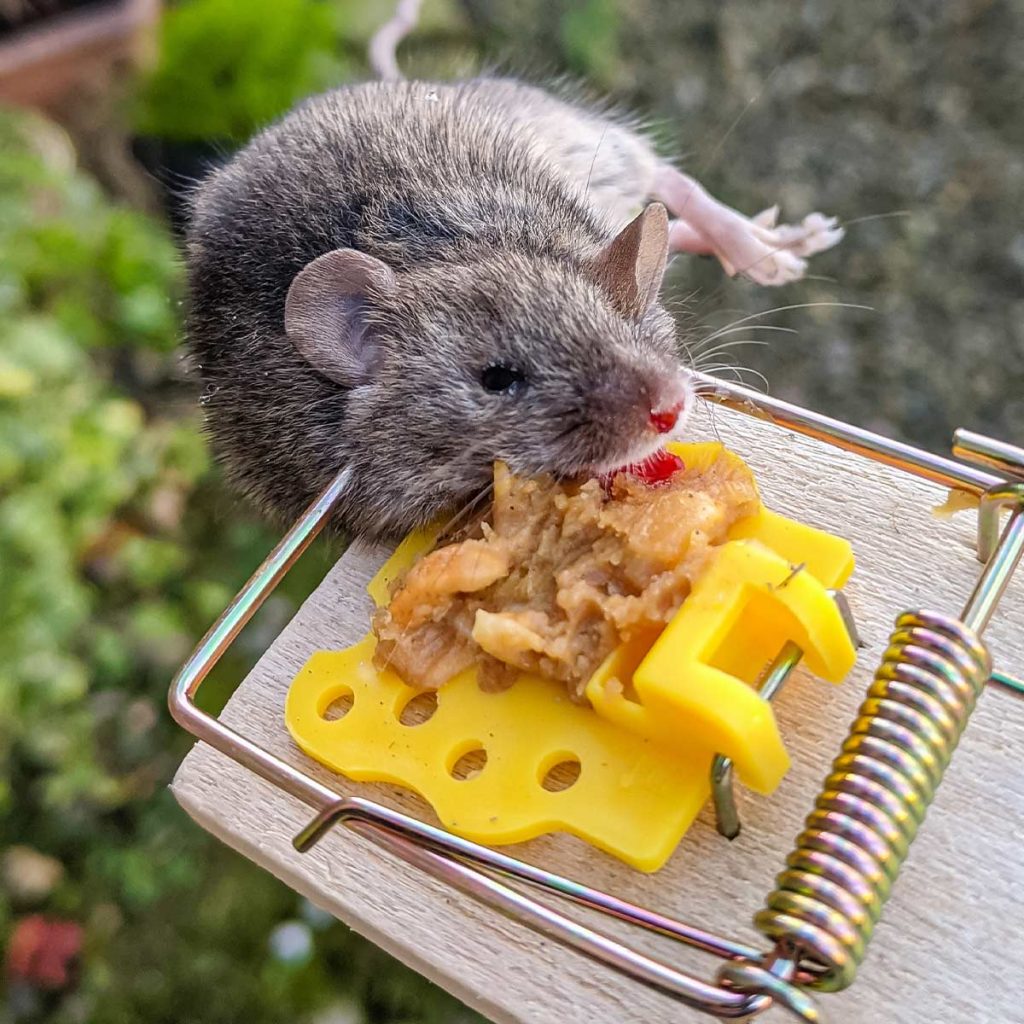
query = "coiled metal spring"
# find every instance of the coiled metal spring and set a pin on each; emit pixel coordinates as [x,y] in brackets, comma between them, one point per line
[838,876]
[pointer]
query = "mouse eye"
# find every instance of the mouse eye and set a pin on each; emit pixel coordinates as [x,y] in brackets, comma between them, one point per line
[502,379]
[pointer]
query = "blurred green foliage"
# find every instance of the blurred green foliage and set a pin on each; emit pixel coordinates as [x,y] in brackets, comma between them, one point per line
[81,283]
[117,548]
[589,40]
[227,68]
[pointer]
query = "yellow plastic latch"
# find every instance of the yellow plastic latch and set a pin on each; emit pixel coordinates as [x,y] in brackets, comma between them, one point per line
[693,685]
[660,711]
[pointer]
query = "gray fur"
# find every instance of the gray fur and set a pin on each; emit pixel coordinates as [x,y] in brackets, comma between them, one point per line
[492,238]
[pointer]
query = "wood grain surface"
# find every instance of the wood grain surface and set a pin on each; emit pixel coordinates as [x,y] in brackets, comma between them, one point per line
[951,939]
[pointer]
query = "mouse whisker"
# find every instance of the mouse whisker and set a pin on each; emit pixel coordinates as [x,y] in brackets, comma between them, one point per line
[703,364]
[725,361]
[571,429]
[466,512]
[714,422]
[702,394]
[801,305]
[739,117]
[710,353]
[876,216]
[736,371]
[717,148]
[714,295]
[685,351]
[597,149]
[730,328]
[735,326]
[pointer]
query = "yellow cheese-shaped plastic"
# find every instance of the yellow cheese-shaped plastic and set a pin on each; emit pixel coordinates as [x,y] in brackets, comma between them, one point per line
[631,798]
[660,712]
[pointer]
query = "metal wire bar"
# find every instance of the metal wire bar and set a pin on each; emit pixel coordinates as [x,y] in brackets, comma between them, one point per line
[436,839]
[874,446]
[365,818]
[1004,458]
[185,685]
[995,577]
[1008,682]
[723,792]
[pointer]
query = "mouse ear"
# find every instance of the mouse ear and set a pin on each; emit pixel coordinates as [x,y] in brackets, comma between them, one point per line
[325,314]
[631,266]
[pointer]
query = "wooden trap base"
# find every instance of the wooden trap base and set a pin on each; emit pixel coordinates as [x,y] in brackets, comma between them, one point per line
[950,939]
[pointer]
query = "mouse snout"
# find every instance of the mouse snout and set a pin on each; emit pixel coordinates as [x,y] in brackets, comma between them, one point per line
[669,401]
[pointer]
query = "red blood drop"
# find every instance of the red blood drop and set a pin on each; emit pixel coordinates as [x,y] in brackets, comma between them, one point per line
[663,422]
[656,469]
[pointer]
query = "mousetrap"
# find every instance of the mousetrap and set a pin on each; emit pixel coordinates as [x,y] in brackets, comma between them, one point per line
[454,909]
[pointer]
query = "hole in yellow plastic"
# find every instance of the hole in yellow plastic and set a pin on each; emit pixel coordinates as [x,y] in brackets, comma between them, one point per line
[340,701]
[562,775]
[469,765]
[420,709]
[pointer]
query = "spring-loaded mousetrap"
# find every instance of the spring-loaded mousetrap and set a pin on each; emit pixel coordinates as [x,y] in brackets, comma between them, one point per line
[740,921]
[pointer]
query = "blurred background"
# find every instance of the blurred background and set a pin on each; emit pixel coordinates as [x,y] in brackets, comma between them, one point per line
[118,541]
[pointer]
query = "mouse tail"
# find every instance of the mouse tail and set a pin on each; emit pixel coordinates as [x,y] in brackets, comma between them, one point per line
[385,42]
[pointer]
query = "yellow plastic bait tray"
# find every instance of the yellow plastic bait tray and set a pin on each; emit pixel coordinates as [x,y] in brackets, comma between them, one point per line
[630,774]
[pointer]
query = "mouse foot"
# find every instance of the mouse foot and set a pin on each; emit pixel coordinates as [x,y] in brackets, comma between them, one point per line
[758,248]
[740,249]
[815,233]
[775,253]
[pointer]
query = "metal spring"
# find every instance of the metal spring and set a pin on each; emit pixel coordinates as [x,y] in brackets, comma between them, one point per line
[838,876]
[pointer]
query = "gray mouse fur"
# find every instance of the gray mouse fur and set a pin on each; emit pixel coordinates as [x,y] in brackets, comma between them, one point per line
[492,247]
[469,226]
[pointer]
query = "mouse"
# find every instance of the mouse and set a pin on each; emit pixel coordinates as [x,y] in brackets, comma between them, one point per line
[413,280]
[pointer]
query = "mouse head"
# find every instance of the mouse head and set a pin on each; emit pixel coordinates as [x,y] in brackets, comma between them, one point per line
[549,365]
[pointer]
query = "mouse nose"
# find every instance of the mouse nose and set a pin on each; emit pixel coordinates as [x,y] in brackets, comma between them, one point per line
[663,420]
[669,393]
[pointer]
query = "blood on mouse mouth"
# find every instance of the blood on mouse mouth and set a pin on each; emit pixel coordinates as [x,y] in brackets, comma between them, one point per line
[655,469]
[663,421]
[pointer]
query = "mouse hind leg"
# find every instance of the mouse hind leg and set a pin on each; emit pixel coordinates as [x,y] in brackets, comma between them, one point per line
[613,161]
[756,247]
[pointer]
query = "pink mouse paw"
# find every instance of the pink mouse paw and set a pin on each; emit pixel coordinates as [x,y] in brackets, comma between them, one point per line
[742,249]
[775,267]
[757,247]
[770,253]
[815,233]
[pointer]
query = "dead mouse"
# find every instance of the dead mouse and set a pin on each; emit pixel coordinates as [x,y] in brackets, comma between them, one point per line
[414,280]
